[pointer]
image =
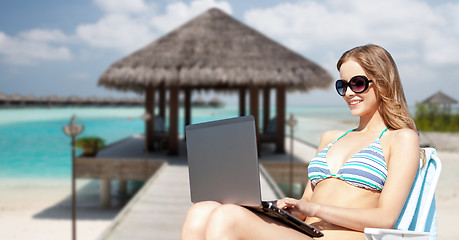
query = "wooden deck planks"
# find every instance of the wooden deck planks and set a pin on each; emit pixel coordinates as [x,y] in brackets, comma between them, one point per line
[159,208]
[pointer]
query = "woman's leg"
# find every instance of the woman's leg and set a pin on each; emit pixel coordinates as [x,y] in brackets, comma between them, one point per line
[196,220]
[235,222]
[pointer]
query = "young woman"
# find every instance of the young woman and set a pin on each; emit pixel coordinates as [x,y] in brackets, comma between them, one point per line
[359,178]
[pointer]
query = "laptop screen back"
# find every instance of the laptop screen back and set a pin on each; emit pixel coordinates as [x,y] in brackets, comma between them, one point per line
[223,161]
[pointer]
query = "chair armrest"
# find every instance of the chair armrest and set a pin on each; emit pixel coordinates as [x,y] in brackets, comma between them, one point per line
[392,234]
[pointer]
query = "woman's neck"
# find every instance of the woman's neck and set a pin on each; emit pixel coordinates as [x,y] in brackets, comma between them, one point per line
[373,122]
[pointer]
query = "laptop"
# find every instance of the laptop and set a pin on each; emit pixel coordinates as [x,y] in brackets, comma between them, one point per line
[223,167]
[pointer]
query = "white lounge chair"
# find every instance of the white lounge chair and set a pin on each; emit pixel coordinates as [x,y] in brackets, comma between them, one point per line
[418,219]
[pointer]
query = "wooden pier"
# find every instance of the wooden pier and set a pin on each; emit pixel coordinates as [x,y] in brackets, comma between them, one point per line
[158,210]
[122,161]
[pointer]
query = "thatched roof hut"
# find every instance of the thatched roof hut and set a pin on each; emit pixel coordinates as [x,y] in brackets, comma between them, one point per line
[4,100]
[199,102]
[216,102]
[73,100]
[440,98]
[91,101]
[16,99]
[108,101]
[30,100]
[54,100]
[213,51]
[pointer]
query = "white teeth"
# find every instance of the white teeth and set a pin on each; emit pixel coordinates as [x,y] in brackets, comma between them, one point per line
[354,101]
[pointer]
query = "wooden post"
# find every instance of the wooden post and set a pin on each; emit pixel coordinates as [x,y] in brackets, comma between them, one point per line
[173,120]
[105,191]
[122,188]
[162,102]
[266,107]
[150,123]
[187,106]
[254,109]
[242,103]
[280,116]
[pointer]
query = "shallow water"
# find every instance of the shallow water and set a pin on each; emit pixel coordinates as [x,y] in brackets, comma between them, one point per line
[33,145]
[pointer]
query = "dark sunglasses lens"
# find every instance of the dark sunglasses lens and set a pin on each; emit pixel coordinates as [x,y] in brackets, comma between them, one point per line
[358,84]
[340,87]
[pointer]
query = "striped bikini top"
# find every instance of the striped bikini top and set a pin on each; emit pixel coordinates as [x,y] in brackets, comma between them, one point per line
[366,169]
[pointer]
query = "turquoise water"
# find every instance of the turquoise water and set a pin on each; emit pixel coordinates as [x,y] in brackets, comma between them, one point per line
[32,143]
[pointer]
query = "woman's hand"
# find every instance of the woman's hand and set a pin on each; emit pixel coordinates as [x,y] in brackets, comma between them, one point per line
[298,208]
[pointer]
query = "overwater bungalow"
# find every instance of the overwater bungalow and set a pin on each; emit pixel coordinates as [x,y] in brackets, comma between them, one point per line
[216,102]
[73,101]
[4,100]
[54,100]
[30,100]
[107,101]
[199,102]
[16,100]
[91,101]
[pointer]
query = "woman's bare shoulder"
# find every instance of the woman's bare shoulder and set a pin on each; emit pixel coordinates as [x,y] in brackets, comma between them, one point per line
[404,144]
[404,135]
[329,136]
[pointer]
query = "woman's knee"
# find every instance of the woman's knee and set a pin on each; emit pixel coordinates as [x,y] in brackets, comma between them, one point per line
[203,208]
[197,215]
[226,222]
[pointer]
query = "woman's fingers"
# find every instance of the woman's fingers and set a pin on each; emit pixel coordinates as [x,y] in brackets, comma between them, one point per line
[285,203]
[298,208]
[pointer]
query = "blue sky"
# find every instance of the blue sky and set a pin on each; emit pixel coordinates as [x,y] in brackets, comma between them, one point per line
[62,47]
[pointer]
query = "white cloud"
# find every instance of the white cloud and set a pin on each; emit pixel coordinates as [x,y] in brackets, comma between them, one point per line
[407,26]
[116,31]
[130,25]
[79,75]
[422,38]
[125,26]
[122,6]
[44,35]
[179,12]
[30,47]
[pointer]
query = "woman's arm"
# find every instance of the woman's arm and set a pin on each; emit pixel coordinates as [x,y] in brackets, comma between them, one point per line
[402,167]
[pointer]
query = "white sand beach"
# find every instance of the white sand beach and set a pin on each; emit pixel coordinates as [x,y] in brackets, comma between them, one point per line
[447,195]
[42,209]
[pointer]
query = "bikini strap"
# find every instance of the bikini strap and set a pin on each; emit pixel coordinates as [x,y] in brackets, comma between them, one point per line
[345,134]
[383,132]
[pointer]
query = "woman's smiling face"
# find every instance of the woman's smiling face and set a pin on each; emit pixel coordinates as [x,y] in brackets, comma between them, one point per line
[360,104]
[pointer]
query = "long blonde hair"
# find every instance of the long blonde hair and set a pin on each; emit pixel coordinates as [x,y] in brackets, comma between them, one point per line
[380,67]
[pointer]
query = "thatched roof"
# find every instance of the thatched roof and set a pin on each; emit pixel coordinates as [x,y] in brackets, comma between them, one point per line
[214,50]
[31,100]
[3,97]
[199,102]
[440,98]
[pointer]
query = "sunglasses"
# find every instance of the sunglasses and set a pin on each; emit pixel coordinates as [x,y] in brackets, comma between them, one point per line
[357,84]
